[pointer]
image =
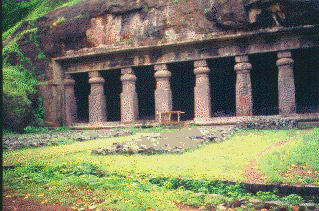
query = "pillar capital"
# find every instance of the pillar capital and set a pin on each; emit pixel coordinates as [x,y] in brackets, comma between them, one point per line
[285,62]
[94,74]
[243,67]
[128,75]
[68,80]
[163,74]
[241,59]
[96,78]
[160,67]
[200,63]
[284,54]
[127,70]
[200,67]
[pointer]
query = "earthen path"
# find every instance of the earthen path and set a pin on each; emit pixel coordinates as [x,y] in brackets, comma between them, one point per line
[251,173]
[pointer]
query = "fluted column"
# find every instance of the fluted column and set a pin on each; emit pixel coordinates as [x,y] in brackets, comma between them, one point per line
[97,104]
[244,102]
[70,102]
[286,84]
[163,93]
[129,103]
[202,98]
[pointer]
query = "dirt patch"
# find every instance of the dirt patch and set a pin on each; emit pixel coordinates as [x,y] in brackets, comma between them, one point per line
[299,171]
[21,204]
[253,175]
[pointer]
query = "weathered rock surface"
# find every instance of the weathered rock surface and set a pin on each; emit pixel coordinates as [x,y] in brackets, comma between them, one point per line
[92,23]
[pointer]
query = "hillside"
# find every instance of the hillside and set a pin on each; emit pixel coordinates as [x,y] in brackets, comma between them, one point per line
[23,60]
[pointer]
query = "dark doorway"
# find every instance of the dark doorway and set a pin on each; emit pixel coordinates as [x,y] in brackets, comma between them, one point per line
[82,91]
[112,91]
[182,85]
[145,87]
[264,80]
[222,85]
[306,74]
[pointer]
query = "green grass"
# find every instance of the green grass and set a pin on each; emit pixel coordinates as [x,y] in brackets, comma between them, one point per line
[301,153]
[224,160]
[69,174]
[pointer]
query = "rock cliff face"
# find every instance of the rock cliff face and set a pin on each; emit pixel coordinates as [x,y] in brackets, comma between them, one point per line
[117,24]
[125,23]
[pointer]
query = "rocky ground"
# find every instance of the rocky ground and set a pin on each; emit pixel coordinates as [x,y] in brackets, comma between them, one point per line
[19,141]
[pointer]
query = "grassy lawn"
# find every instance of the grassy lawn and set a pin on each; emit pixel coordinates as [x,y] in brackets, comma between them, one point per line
[70,174]
[295,162]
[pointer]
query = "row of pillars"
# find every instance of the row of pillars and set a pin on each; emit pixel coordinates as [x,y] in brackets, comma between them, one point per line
[163,93]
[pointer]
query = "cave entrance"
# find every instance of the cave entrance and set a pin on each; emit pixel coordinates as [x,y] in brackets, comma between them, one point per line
[182,84]
[145,87]
[306,75]
[264,81]
[82,91]
[223,86]
[112,91]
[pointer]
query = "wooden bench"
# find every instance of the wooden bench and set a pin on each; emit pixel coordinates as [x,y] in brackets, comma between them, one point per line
[168,115]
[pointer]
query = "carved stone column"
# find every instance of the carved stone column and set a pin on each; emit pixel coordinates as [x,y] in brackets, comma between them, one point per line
[129,102]
[244,102]
[163,93]
[70,102]
[286,84]
[202,98]
[97,105]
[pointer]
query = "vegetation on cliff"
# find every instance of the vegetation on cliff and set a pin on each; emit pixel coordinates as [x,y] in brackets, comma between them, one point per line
[22,61]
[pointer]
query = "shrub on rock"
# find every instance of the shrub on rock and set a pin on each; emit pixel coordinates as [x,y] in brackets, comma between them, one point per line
[17,110]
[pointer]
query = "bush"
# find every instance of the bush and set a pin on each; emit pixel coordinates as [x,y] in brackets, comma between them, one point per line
[17,110]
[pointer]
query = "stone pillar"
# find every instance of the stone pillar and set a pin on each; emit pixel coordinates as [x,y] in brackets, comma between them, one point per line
[163,93]
[244,102]
[202,98]
[286,84]
[129,102]
[97,106]
[70,102]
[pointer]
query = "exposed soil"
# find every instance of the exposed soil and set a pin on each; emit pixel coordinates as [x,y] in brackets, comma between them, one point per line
[21,204]
[253,175]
